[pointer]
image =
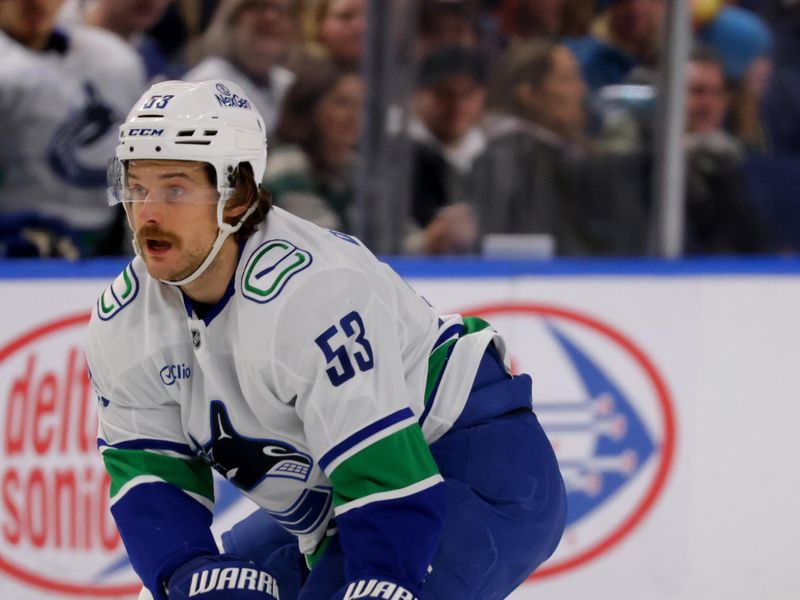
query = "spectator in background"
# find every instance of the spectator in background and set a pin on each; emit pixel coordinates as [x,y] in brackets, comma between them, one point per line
[245,43]
[540,82]
[311,171]
[476,172]
[720,217]
[131,19]
[589,202]
[448,137]
[63,93]
[528,19]
[335,30]
[625,35]
[743,42]
[445,23]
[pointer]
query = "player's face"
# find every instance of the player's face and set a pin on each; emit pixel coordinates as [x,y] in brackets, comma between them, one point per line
[171,214]
[30,22]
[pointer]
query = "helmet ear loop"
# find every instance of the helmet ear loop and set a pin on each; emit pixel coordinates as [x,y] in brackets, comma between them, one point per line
[225,194]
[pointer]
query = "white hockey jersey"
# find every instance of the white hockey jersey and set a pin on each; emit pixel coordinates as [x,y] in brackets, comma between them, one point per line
[315,385]
[59,114]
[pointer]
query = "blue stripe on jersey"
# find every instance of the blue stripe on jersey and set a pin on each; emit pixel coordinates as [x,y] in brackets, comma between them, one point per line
[453,330]
[144,444]
[306,514]
[360,436]
[162,528]
[395,538]
[432,396]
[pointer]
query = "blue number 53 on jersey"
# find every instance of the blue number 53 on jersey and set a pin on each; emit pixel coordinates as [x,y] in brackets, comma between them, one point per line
[352,327]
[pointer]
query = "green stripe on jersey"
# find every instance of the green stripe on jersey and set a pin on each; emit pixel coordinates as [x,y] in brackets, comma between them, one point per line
[189,474]
[312,558]
[437,360]
[392,463]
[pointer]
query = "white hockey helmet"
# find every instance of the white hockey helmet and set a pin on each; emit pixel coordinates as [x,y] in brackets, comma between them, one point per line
[207,121]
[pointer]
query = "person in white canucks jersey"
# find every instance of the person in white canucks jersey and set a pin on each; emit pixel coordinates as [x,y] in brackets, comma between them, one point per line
[64,90]
[391,452]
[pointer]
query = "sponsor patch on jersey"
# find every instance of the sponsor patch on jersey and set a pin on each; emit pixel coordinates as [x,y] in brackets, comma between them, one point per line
[270,268]
[119,294]
[174,372]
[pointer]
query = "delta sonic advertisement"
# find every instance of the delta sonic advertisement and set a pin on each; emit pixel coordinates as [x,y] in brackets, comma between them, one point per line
[605,403]
[56,533]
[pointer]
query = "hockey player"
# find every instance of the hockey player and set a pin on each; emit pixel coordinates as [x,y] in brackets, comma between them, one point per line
[64,90]
[391,452]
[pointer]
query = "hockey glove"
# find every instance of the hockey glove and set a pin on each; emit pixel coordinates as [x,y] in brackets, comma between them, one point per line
[375,588]
[222,577]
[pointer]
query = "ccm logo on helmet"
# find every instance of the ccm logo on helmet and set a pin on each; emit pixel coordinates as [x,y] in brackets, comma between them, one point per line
[227,98]
[145,132]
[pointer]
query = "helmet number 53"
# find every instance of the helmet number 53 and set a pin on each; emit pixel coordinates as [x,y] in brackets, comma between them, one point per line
[158,101]
[356,348]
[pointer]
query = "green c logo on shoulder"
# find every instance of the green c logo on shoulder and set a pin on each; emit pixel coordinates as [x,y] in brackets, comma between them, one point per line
[270,267]
[119,294]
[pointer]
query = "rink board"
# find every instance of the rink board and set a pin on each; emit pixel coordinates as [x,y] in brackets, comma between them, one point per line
[668,389]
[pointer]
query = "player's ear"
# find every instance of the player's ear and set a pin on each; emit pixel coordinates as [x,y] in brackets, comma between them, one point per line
[245,193]
[234,209]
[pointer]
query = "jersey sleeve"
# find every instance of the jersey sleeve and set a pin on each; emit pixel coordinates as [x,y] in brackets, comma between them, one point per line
[339,348]
[161,494]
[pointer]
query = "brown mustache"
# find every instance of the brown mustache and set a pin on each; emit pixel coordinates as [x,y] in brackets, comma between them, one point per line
[151,231]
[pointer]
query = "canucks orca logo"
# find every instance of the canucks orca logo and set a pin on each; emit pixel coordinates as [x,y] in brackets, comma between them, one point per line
[82,128]
[246,462]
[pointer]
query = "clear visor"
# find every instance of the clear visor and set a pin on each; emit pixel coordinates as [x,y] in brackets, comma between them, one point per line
[161,181]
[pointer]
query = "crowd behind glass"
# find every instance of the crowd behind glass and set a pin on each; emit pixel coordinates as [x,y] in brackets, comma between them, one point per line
[530,117]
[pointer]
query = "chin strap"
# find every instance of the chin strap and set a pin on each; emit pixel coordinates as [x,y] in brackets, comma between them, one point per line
[225,229]
[212,254]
